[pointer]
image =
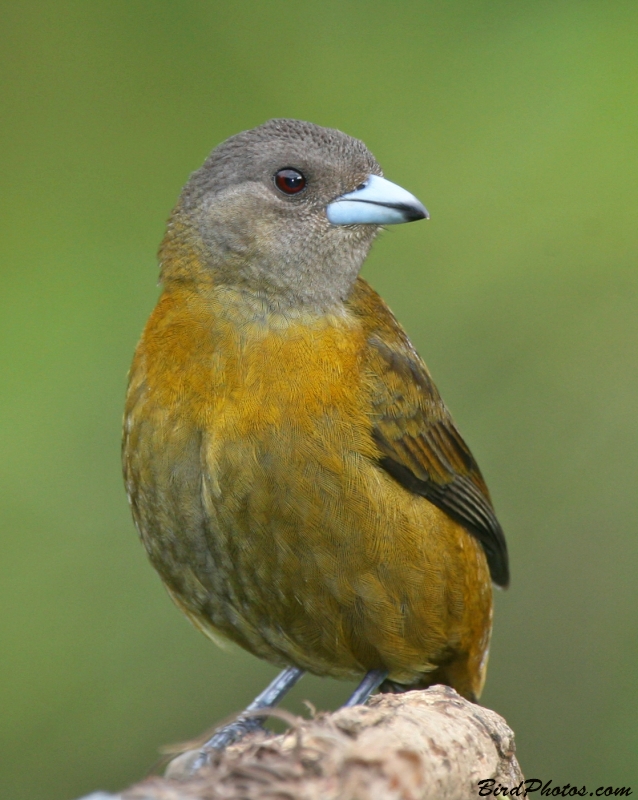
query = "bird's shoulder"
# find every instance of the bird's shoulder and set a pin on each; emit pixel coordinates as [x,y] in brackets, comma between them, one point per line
[418,441]
[400,378]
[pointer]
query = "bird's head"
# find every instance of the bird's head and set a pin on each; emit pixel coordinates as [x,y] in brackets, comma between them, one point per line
[288,210]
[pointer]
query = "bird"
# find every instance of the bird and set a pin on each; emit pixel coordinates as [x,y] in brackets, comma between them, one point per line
[294,475]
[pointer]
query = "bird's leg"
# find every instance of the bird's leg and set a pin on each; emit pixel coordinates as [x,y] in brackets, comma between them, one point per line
[269,698]
[236,730]
[370,682]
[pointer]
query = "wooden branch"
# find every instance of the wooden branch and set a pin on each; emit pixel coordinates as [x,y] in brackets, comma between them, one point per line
[413,746]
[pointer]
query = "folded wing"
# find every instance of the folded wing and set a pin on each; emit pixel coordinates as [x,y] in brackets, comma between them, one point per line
[418,441]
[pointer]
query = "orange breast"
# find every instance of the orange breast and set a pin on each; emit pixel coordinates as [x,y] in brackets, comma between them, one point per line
[254,482]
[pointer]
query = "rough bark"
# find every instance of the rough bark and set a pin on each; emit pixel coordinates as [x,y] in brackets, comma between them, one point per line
[420,745]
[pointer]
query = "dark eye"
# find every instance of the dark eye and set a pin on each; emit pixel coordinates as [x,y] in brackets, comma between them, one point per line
[290,181]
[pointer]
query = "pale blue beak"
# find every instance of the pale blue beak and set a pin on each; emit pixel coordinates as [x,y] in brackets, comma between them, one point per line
[376,202]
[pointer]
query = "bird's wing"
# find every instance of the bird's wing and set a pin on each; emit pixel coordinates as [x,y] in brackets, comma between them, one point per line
[418,442]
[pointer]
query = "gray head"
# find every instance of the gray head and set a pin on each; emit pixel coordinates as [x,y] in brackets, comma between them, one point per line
[288,210]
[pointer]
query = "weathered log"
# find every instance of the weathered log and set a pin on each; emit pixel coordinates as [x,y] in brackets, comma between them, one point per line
[421,745]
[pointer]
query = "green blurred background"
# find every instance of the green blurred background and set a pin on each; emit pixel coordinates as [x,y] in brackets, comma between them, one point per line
[515,122]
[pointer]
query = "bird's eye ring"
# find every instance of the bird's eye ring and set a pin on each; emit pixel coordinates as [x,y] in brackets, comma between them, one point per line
[290,181]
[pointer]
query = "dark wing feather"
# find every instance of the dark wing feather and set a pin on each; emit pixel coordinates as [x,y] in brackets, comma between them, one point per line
[422,449]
